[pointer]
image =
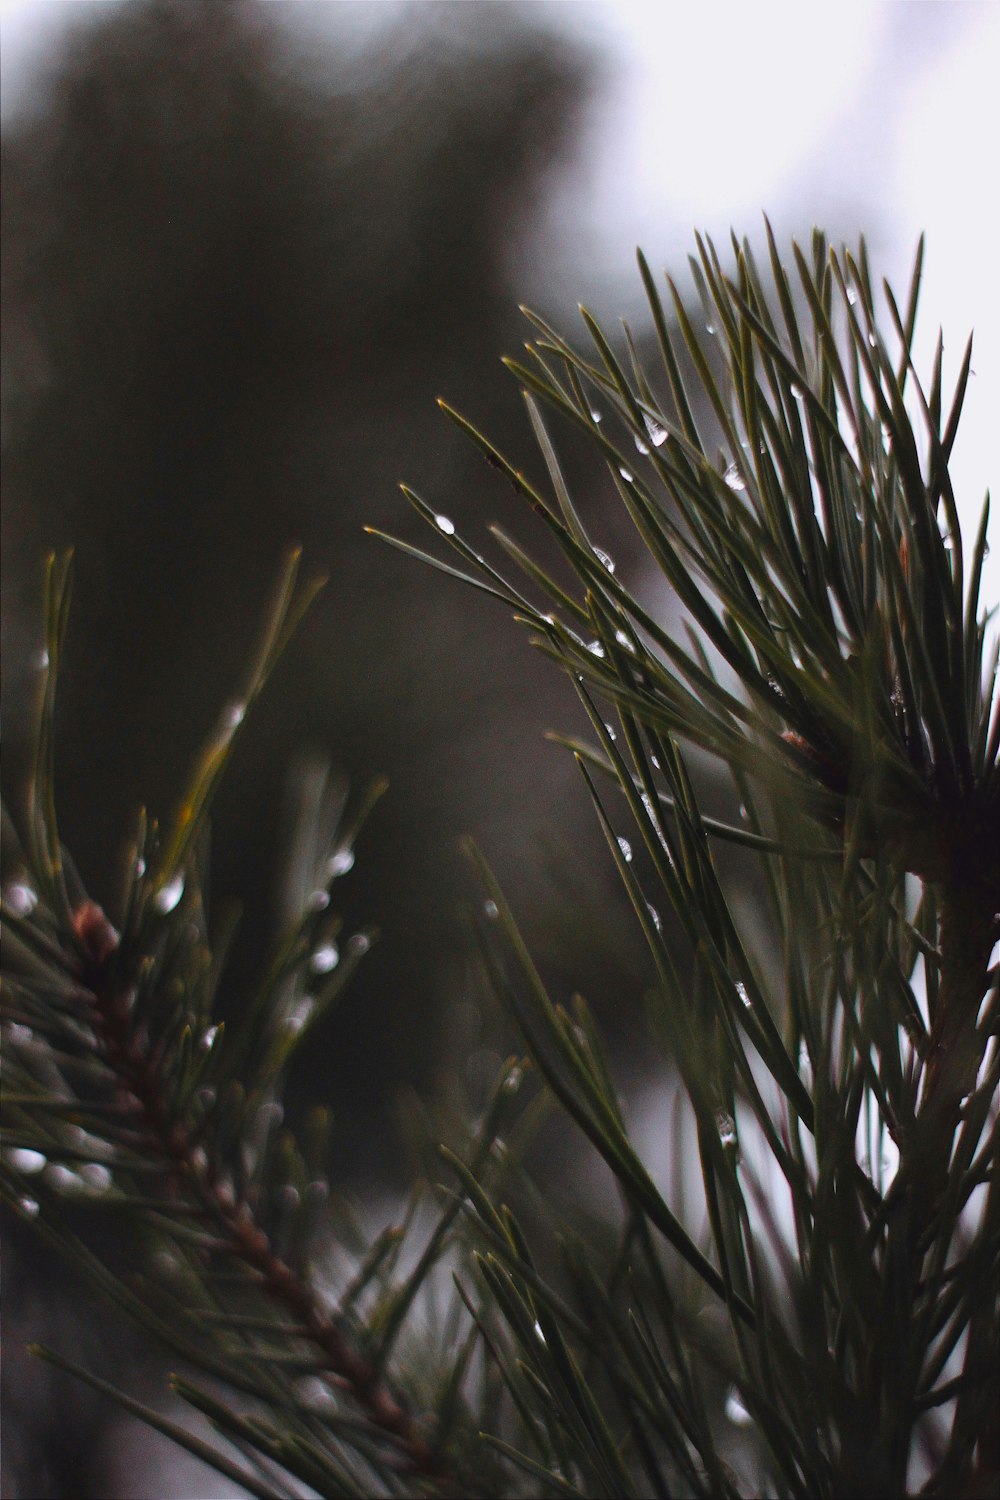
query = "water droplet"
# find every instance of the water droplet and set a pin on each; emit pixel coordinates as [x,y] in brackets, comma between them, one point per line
[797,391]
[165,1263]
[744,812]
[539,1333]
[315,1393]
[986,549]
[96,1176]
[947,541]
[325,959]
[873,341]
[18,1033]
[319,901]
[23,1159]
[490,910]
[595,648]
[742,996]
[595,415]
[29,1207]
[734,478]
[657,920]
[340,863]
[445,524]
[169,895]
[640,447]
[208,1040]
[63,1178]
[21,899]
[610,732]
[657,433]
[40,660]
[623,640]
[299,1014]
[626,474]
[852,296]
[654,762]
[233,716]
[626,849]
[360,943]
[710,329]
[225,1192]
[140,866]
[603,558]
[735,1410]
[647,803]
[727,1129]
[514,1079]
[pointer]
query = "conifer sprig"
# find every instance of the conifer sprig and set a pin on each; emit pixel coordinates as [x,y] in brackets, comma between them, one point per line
[810,1305]
[843,1085]
[125,1093]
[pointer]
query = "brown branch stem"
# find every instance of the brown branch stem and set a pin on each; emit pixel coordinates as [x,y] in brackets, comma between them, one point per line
[967,921]
[137,1073]
[955,1048]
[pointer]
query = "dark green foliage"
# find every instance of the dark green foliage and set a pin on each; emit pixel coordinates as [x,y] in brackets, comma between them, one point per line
[117,1074]
[814,1310]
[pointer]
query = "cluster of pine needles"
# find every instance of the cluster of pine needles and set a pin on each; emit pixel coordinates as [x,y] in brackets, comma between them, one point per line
[821,1317]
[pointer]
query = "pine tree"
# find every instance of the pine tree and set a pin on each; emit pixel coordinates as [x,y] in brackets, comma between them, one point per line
[824,1319]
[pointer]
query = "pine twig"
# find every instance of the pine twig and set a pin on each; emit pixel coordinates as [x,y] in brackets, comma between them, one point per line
[194,1174]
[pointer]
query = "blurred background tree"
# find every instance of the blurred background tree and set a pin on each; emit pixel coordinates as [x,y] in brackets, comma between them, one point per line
[233,286]
[235,278]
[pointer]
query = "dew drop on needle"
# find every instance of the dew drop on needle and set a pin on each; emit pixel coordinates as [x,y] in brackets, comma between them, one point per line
[169,894]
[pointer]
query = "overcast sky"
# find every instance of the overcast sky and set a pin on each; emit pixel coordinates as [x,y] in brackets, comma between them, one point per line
[871,114]
[868,116]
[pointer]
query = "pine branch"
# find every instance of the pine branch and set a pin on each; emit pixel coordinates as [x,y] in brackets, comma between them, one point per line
[194,1177]
[120,1086]
[797,1315]
[819,557]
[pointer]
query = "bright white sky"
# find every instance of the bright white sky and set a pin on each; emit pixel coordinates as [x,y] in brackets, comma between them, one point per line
[874,114]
